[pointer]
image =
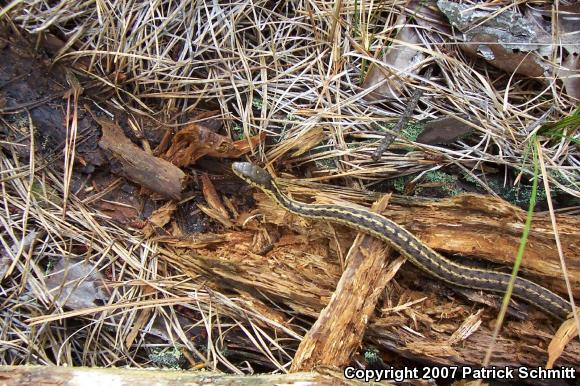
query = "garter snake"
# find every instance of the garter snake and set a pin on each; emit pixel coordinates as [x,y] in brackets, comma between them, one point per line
[408,245]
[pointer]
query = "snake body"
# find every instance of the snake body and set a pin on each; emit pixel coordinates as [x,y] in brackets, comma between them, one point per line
[408,245]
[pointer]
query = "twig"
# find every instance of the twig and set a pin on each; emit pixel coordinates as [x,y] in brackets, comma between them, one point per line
[389,138]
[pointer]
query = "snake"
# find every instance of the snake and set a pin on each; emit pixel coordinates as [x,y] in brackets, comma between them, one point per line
[408,245]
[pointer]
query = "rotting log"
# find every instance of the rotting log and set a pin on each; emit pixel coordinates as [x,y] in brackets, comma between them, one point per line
[301,271]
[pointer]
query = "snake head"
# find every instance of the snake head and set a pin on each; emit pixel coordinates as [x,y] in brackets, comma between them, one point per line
[252,174]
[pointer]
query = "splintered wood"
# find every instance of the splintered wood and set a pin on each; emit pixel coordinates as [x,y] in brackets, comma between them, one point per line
[292,265]
[340,327]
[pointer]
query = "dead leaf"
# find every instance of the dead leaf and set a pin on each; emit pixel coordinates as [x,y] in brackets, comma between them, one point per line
[76,284]
[159,218]
[443,131]
[216,209]
[504,40]
[569,72]
[211,196]
[565,334]
[195,141]
[118,212]
[4,264]
[567,20]
[567,27]
[400,61]
[216,215]
[519,43]
[427,15]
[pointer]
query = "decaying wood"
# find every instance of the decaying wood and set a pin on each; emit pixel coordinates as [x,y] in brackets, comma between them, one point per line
[62,376]
[302,269]
[341,325]
[138,166]
[489,228]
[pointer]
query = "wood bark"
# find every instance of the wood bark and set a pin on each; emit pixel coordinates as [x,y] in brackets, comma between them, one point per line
[417,317]
[139,166]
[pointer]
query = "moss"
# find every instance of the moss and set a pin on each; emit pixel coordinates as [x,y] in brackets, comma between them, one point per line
[324,163]
[168,358]
[257,103]
[400,183]
[289,121]
[373,358]
[448,182]
[358,143]
[50,266]
[559,176]
[469,178]
[237,132]
[521,194]
[19,120]
[440,177]
[412,131]
[44,194]
[291,117]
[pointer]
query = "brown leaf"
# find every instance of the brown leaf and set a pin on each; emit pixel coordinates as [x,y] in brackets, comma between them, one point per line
[121,213]
[195,141]
[427,15]
[565,334]
[521,43]
[76,284]
[504,40]
[211,196]
[216,209]
[443,131]
[216,215]
[509,60]
[569,73]
[399,60]
[159,218]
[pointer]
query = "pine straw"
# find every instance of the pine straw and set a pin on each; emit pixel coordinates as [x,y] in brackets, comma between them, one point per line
[272,66]
[288,69]
[34,329]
